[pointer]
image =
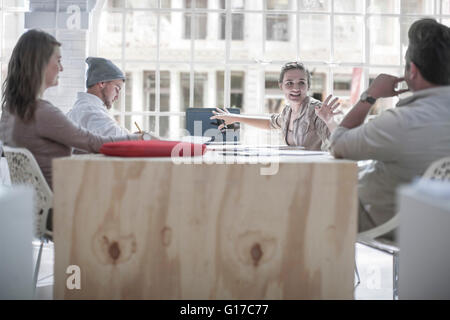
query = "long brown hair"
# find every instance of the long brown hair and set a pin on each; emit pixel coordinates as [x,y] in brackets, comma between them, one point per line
[26,72]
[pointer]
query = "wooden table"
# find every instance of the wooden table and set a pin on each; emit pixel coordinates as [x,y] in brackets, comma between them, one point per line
[143,228]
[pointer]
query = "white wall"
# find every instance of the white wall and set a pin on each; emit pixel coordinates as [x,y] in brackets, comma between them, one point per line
[68,21]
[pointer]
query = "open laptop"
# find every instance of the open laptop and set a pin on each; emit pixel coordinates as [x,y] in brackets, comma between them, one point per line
[199,124]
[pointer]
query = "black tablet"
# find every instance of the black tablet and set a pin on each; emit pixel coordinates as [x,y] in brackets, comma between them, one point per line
[198,123]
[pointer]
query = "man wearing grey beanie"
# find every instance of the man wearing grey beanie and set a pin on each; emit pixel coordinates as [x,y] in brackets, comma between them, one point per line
[104,82]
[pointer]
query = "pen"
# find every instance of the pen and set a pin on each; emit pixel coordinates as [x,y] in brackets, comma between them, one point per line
[135,123]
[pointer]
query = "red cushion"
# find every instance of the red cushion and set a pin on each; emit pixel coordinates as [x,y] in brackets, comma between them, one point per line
[153,148]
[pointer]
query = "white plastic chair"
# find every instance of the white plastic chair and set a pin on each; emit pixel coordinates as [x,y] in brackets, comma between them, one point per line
[440,170]
[24,170]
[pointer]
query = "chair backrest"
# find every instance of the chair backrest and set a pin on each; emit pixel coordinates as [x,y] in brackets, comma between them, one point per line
[24,170]
[438,170]
[4,171]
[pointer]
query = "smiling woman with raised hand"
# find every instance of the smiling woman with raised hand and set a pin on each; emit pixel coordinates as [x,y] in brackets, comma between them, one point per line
[304,121]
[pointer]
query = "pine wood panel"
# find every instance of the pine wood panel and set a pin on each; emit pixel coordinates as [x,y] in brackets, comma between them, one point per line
[147,229]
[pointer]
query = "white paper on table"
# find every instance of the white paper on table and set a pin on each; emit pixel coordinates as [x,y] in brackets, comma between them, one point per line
[272,152]
[252,147]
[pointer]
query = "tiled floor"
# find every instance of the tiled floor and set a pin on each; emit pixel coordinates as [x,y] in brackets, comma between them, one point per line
[375,270]
[44,290]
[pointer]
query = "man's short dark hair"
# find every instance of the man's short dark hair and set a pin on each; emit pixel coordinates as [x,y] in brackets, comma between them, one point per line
[429,50]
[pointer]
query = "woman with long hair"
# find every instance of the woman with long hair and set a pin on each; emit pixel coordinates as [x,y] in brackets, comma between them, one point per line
[30,122]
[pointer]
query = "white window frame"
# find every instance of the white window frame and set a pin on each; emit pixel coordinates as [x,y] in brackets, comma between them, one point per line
[262,64]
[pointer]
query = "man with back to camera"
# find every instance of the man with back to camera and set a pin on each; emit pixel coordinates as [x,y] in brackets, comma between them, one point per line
[90,111]
[405,140]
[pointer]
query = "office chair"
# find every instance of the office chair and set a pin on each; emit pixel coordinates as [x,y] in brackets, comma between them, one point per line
[438,170]
[24,170]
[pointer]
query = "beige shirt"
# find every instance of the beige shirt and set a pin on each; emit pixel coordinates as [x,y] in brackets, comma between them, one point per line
[403,141]
[50,135]
[308,131]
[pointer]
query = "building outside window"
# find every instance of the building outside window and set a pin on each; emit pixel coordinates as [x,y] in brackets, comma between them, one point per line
[277,28]
[237,20]
[236,92]
[200,20]
[128,100]
[150,91]
[274,100]
[334,38]
[200,90]
[318,85]
[277,25]
[173,62]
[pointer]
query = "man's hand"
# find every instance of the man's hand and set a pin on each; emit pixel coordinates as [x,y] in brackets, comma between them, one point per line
[384,86]
[147,135]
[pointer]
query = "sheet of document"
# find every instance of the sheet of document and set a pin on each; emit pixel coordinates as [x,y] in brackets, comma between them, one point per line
[195,139]
[270,152]
[241,147]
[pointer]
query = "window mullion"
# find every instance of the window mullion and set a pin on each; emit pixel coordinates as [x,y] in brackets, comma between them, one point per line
[440,10]
[1,44]
[331,57]
[366,72]
[228,38]
[1,35]
[191,72]
[56,19]
[331,53]
[297,32]
[261,71]
[264,29]
[123,62]
[158,71]
[400,38]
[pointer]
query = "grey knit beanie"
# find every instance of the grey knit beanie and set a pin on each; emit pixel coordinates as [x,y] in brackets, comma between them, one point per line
[101,70]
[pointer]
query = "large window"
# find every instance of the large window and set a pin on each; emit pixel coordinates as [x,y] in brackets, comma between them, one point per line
[204,53]
[237,20]
[277,25]
[200,90]
[195,24]
[236,89]
[273,99]
[150,91]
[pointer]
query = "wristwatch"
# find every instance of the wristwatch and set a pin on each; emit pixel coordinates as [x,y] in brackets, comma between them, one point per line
[146,136]
[366,98]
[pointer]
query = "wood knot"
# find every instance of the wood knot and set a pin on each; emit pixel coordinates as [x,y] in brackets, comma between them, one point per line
[256,253]
[111,248]
[114,250]
[255,248]
[166,234]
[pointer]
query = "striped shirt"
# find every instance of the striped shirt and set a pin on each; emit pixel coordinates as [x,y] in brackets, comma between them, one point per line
[308,129]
